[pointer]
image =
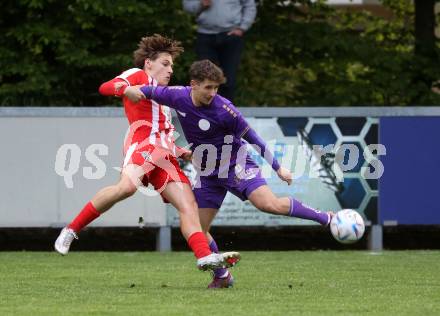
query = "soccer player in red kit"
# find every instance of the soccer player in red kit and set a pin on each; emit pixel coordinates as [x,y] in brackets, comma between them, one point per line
[150,154]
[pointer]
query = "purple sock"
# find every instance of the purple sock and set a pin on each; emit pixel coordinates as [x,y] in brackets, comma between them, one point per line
[214,248]
[297,209]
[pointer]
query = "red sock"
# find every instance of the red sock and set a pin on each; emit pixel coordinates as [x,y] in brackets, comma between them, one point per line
[87,215]
[199,245]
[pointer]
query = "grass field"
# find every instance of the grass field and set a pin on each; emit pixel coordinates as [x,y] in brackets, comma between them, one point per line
[267,283]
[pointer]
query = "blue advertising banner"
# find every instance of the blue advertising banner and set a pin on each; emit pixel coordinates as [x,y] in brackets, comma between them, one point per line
[409,188]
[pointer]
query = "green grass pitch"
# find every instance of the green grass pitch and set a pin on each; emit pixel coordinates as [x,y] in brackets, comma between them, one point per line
[267,283]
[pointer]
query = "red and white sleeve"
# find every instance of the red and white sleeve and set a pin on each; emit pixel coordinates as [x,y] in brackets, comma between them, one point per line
[117,86]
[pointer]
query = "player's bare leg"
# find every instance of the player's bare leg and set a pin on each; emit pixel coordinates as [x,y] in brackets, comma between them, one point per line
[181,196]
[264,199]
[107,197]
[100,203]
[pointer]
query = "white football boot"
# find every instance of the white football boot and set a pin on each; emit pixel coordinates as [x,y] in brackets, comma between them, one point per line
[64,240]
[218,260]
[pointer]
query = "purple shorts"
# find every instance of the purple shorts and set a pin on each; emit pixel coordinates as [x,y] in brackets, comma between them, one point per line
[240,182]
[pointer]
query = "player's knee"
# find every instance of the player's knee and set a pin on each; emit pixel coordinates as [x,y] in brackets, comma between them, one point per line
[126,190]
[189,207]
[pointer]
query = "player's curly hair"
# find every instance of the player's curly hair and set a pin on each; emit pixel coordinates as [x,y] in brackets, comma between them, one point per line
[151,46]
[205,69]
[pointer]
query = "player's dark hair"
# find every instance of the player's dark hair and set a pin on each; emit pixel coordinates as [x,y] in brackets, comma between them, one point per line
[151,46]
[205,69]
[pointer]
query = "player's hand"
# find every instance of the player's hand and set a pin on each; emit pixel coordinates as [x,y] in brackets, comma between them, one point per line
[187,156]
[236,32]
[184,153]
[285,175]
[119,85]
[134,94]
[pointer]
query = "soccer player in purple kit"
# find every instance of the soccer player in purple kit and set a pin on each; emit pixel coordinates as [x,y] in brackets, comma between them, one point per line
[212,123]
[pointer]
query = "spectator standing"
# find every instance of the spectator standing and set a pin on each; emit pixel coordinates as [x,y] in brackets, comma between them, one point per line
[221,25]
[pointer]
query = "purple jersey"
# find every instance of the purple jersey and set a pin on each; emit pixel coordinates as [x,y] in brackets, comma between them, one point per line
[205,127]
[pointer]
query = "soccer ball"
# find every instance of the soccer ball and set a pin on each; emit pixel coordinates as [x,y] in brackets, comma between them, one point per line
[347,226]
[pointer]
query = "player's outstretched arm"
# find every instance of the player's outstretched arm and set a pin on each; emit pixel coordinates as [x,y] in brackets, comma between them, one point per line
[255,140]
[163,95]
[260,145]
[115,87]
[134,94]
[123,83]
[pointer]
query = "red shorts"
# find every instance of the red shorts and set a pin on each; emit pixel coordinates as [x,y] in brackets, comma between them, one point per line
[159,166]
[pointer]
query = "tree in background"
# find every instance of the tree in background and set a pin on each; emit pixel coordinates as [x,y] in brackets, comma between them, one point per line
[315,55]
[57,52]
[300,53]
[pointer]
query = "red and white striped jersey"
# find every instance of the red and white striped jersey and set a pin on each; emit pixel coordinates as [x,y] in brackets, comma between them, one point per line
[150,122]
